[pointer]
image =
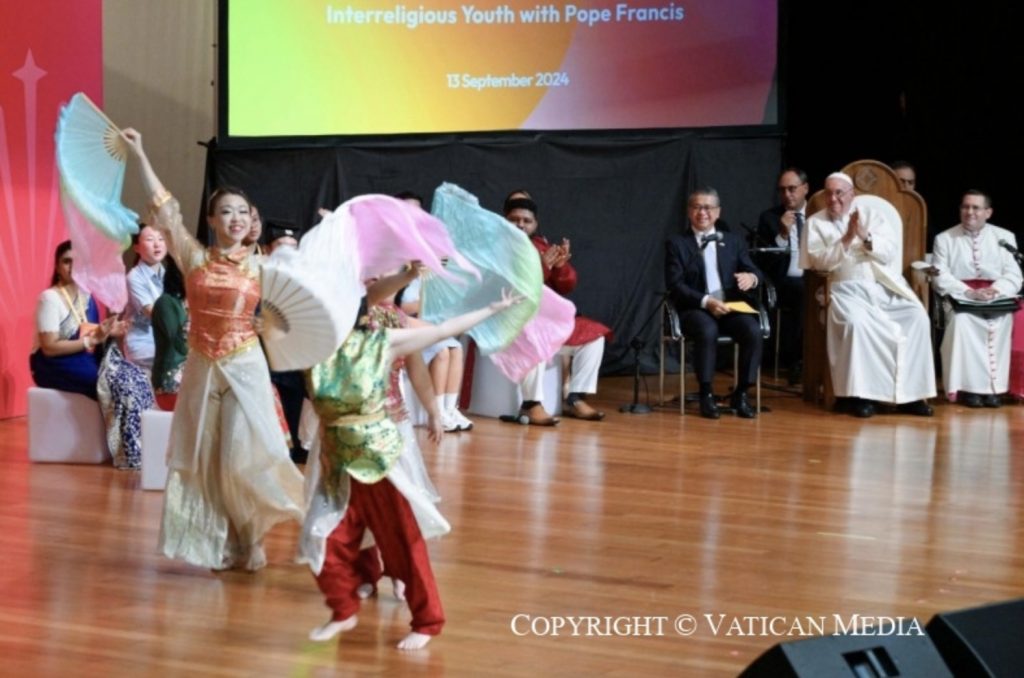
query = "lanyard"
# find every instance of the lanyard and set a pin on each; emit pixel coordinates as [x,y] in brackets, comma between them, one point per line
[76,306]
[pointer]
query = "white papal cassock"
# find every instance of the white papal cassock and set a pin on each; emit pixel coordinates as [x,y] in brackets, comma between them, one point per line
[879,343]
[975,349]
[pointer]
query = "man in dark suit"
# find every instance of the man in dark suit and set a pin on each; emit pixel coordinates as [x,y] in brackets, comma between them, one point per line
[704,269]
[782,227]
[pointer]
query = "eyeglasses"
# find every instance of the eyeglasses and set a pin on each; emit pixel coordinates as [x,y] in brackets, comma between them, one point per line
[704,208]
[790,189]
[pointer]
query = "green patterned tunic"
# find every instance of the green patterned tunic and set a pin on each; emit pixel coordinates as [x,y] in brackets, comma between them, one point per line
[348,392]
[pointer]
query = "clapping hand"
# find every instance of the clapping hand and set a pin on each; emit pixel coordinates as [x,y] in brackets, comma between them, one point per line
[112,326]
[855,229]
[557,255]
[550,256]
[564,253]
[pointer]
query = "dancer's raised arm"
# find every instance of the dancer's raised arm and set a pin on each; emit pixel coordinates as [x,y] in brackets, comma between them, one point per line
[164,211]
[406,340]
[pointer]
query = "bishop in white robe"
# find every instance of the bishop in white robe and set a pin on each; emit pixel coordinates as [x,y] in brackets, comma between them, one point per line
[974,265]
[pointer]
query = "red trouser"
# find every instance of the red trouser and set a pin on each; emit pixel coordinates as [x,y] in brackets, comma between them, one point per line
[369,568]
[382,509]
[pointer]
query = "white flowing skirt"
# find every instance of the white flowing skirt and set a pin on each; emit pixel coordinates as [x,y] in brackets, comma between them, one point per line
[230,474]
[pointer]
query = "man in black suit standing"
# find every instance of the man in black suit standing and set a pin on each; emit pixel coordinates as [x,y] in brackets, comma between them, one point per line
[782,226]
[705,268]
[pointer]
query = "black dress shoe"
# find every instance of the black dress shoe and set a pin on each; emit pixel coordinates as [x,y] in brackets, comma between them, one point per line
[708,406]
[991,400]
[969,399]
[862,409]
[796,373]
[918,408]
[741,405]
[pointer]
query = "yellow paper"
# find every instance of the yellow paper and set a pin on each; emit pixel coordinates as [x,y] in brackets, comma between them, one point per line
[740,307]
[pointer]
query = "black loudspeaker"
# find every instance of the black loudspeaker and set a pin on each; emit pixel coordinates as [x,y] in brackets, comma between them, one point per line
[864,656]
[982,641]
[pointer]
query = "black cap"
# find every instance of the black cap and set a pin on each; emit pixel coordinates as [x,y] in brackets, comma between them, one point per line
[277,229]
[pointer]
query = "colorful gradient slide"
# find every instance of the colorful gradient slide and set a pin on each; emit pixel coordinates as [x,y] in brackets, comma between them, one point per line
[339,67]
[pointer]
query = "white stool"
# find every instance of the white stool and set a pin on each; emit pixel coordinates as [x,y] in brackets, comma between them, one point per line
[494,394]
[156,431]
[65,428]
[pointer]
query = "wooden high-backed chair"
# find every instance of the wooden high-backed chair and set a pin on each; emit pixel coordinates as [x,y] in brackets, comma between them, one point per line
[870,177]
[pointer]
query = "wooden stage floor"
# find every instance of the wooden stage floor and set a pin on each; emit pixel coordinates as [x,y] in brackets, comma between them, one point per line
[751,527]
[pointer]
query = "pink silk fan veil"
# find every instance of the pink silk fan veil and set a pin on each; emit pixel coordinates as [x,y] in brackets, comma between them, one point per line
[523,336]
[390,233]
[91,159]
[311,295]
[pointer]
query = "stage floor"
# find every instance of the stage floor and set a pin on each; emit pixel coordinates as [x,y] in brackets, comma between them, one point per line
[756,529]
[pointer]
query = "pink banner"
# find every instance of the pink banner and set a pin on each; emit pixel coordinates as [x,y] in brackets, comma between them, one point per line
[52,48]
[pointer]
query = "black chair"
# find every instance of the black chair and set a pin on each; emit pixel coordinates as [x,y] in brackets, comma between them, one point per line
[672,331]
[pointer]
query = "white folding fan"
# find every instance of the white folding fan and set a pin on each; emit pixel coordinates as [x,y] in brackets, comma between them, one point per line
[91,158]
[310,296]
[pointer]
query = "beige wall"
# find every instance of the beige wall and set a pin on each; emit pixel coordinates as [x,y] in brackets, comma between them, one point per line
[159,72]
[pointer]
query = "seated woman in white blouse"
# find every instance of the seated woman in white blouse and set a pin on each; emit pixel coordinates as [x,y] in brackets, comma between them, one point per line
[67,332]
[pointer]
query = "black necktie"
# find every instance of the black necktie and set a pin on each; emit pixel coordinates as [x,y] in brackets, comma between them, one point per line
[799,224]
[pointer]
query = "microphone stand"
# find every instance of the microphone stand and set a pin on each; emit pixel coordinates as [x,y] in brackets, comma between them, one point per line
[637,344]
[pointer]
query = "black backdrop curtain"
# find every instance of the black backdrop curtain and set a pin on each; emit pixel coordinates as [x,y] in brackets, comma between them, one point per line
[616,198]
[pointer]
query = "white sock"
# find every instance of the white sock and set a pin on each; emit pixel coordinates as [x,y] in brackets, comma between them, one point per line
[450,401]
[441,409]
[333,628]
[414,641]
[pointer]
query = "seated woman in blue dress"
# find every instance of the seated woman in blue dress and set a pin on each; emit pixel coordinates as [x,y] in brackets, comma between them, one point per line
[68,331]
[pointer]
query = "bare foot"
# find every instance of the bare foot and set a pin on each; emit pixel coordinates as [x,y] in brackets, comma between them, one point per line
[257,558]
[414,641]
[333,628]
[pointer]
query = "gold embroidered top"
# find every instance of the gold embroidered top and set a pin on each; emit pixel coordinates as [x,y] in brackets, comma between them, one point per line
[222,298]
[348,392]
